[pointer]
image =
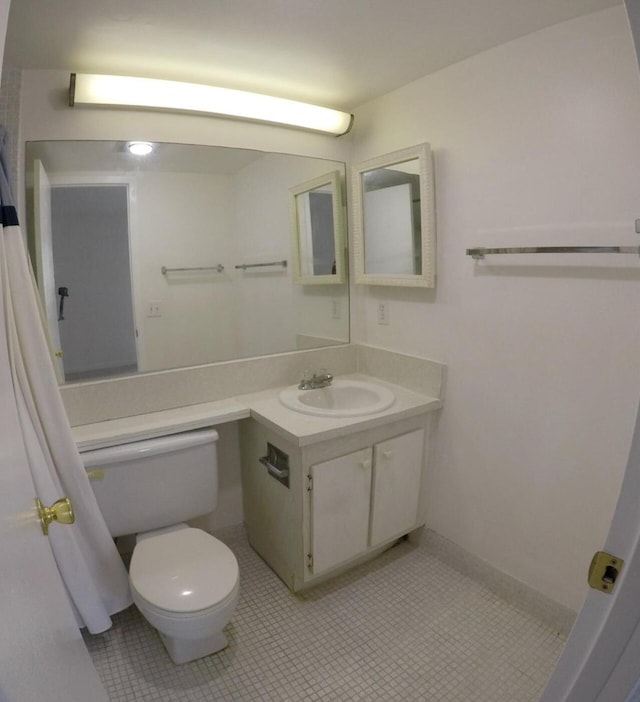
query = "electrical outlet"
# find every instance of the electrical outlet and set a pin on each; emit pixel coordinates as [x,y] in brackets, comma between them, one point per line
[154,309]
[335,309]
[383,313]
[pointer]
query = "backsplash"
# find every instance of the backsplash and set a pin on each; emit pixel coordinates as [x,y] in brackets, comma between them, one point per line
[411,372]
[97,401]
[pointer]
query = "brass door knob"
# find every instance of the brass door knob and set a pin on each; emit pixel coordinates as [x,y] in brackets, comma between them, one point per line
[60,511]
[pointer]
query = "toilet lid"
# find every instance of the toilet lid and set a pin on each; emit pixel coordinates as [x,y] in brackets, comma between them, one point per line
[183,571]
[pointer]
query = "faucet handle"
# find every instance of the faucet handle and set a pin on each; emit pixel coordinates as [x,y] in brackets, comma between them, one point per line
[305,382]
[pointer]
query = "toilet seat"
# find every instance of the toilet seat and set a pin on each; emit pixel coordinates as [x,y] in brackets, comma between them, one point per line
[183,572]
[152,610]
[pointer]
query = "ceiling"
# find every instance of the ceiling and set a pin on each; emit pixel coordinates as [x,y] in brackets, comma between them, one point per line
[338,53]
[113,156]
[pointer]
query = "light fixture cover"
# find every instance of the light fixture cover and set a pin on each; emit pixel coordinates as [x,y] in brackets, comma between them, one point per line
[140,148]
[151,93]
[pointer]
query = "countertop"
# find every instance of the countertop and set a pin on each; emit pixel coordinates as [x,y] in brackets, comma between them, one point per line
[264,406]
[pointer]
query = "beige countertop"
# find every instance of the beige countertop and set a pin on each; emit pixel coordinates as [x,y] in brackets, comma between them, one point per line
[303,429]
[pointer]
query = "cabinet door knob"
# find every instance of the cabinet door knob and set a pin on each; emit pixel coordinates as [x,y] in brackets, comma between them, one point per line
[387,454]
[366,463]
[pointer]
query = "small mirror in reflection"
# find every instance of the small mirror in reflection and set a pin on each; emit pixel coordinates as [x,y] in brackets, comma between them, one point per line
[317,231]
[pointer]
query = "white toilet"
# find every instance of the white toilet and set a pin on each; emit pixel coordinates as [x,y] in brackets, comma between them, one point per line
[184,581]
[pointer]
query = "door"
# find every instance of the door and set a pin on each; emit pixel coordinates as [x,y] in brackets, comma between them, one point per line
[397,469]
[43,234]
[340,499]
[600,661]
[91,255]
[42,654]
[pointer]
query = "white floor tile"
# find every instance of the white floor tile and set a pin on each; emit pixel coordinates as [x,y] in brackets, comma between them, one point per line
[405,627]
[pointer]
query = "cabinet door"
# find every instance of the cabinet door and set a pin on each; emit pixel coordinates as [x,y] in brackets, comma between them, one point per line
[397,469]
[340,499]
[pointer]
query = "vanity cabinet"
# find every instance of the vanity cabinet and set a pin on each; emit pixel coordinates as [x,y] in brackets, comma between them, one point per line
[363,499]
[347,498]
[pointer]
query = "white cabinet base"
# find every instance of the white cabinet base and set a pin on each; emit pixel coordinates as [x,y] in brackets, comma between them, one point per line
[348,499]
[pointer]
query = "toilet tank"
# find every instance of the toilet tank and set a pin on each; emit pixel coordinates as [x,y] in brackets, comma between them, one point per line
[155,483]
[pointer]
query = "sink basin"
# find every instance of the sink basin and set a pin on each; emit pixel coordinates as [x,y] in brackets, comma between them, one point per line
[343,398]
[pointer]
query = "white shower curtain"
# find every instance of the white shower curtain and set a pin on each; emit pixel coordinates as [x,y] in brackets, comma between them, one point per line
[89,564]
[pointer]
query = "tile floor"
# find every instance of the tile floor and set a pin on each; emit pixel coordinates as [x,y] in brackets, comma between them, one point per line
[405,627]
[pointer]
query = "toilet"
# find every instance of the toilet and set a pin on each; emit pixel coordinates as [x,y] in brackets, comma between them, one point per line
[184,581]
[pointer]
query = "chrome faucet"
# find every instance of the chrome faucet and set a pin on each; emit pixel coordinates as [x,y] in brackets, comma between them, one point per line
[317,380]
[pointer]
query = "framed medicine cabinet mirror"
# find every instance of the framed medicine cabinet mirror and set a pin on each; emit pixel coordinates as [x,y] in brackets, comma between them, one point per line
[393,219]
[317,231]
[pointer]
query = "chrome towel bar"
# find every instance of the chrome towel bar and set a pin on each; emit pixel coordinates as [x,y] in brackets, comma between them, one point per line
[480,252]
[218,269]
[244,266]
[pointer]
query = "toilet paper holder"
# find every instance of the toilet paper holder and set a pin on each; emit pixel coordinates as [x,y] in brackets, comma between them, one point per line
[277,463]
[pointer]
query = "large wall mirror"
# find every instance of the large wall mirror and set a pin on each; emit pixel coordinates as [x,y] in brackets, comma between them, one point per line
[393,219]
[177,258]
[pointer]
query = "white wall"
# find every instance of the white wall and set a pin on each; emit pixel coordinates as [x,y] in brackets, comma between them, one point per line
[536,142]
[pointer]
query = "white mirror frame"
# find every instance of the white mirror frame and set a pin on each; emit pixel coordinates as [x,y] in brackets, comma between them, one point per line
[332,180]
[427,278]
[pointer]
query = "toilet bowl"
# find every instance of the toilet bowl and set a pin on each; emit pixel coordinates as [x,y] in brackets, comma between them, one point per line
[185,583]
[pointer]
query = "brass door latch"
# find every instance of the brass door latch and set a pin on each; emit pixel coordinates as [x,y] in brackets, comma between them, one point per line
[604,571]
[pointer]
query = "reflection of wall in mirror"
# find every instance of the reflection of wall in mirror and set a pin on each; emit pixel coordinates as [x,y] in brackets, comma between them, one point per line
[188,220]
[183,220]
[388,218]
[274,312]
[239,218]
[265,317]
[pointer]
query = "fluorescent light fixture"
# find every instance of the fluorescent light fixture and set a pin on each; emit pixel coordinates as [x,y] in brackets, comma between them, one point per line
[140,148]
[150,93]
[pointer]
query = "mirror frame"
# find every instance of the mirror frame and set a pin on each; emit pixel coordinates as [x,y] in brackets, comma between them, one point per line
[426,279]
[332,179]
